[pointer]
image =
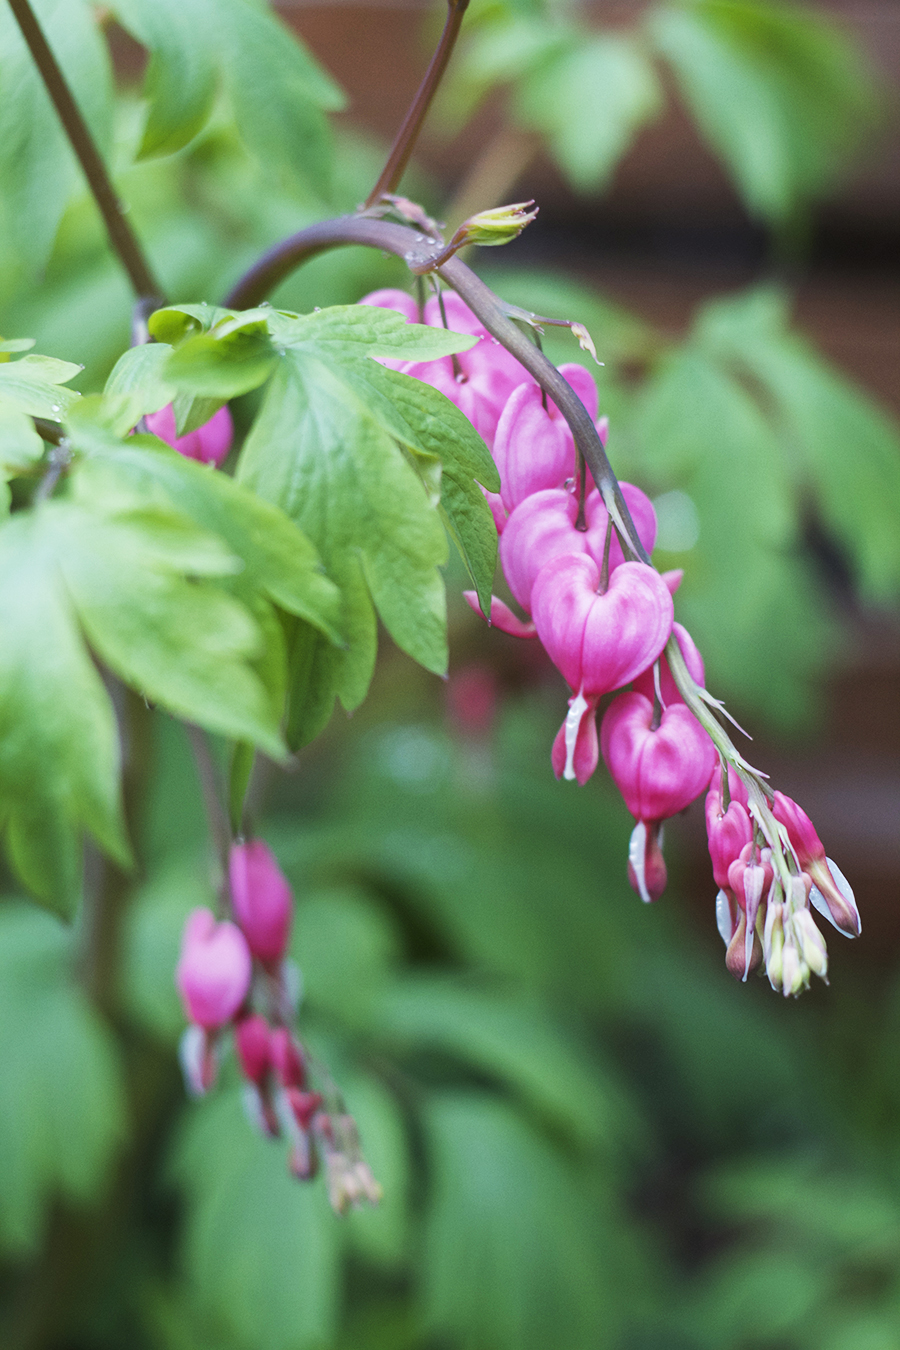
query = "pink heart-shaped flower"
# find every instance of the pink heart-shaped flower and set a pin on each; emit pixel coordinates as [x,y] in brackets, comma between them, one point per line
[600,642]
[659,771]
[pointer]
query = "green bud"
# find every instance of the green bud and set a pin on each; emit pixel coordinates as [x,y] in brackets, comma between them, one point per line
[497,226]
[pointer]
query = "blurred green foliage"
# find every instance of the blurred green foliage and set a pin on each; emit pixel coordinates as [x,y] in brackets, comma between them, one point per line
[587,1135]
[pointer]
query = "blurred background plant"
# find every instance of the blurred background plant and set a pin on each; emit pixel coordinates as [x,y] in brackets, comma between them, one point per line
[588,1136]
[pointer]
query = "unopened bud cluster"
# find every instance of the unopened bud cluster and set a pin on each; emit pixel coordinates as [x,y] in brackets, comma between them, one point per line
[233,976]
[605,621]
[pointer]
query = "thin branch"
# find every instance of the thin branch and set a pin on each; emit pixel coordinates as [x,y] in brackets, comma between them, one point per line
[408,134]
[275,265]
[120,233]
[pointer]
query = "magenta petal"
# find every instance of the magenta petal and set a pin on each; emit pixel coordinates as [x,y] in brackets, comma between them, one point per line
[563,596]
[584,385]
[539,529]
[214,969]
[659,772]
[532,450]
[626,628]
[391,298]
[644,683]
[502,617]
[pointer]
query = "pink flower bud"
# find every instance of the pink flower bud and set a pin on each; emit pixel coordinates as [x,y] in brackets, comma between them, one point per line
[644,684]
[658,771]
[600,642]
[209,444]
[646,865]
[287,1058]
[251,1041]
[214,969]
[576,750]
[262,899]
[304,1105]
[831,893]
[728,833]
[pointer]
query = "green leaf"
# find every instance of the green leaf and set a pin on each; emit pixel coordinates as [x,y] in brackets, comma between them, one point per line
[59,752]
[277,90]
[842,450]
[316,451]
[777,91]
[278,559]
[33,385]
[423,419]
[20,445]
[271,1277]
[176,638]
[38,171]
[508,1036]
[63,1100]
[180,83]
[512,1258]
[346,331]
[138,378]
[590,102]
[232,358]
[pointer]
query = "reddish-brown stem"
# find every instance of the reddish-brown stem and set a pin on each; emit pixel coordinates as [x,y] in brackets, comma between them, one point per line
[408,134]
[121,236]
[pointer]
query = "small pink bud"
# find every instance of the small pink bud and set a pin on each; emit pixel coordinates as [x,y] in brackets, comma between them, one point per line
[659,771]
[736,790]
[262,899]
[251,1040]
[576,749]
[728,832]
[214,969]
[532,449]
[831,893]
[304,1105]
[198,1056]
[646,865]
[209,444]
[287,1058]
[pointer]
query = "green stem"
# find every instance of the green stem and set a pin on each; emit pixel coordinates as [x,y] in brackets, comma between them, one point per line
[82,142]
[408,134]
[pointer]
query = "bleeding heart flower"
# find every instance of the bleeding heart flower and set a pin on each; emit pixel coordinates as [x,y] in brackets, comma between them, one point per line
[600,642]
[214,969]
[658,770]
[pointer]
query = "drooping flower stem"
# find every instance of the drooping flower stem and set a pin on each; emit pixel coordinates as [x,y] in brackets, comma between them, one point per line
[418,253]
[121,235]
[406,137]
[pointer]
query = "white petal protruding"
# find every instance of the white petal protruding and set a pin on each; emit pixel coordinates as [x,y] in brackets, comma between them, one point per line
[577,708]
[724,920]
[637,853]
